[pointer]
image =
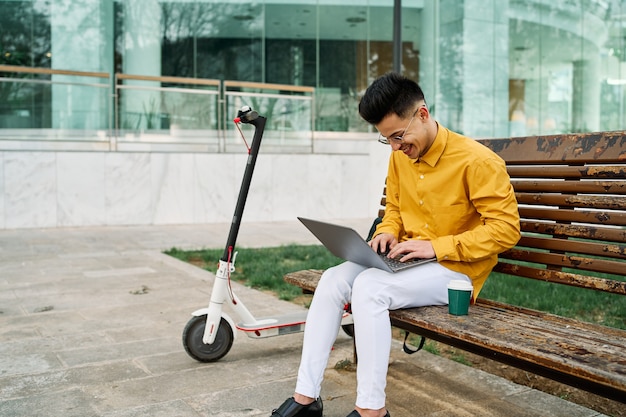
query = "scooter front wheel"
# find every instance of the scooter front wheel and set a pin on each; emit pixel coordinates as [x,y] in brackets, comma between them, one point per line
[197,349]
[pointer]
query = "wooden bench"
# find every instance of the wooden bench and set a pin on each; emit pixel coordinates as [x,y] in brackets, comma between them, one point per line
[571,191]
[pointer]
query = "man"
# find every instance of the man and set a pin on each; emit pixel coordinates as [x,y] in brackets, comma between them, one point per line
[447,196]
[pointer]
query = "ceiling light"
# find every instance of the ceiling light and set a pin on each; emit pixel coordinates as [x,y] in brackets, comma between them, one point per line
[243,17]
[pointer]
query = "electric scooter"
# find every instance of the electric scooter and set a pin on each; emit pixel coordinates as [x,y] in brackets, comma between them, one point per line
[209,334]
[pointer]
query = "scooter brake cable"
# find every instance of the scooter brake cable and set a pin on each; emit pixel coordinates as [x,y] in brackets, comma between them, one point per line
[237,122]
[230,288]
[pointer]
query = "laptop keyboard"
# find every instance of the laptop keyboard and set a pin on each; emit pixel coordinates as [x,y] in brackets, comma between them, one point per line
[394,263]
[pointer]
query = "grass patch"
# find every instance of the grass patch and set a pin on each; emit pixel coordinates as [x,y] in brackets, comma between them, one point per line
[263,268]
[430,346]
[433,347]
[578,303]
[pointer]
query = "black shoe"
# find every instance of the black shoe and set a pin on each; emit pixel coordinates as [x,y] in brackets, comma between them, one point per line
[290,408]
[355,413]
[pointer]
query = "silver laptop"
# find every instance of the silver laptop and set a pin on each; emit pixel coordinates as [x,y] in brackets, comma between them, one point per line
[347,244]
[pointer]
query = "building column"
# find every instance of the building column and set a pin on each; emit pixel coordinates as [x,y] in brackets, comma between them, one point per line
[539,121]
[473,70]
[81,39]
[141,109]
[429,54]
[586,95]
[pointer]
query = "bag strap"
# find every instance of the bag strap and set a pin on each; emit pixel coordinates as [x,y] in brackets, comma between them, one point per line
[410,351]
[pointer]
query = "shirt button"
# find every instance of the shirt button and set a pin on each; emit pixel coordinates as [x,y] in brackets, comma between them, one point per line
[421,202]
[421,177]
[426,225]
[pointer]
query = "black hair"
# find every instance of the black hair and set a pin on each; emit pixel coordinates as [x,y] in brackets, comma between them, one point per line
[390,93]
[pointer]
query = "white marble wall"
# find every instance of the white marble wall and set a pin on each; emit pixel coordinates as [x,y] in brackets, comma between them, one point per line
[80,196]
[2,198]
[72,189]
[30,189]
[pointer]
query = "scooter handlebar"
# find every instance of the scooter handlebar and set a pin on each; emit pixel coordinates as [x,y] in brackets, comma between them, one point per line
[246,115]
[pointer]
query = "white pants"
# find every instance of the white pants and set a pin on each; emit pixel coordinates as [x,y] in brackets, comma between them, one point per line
[372,293]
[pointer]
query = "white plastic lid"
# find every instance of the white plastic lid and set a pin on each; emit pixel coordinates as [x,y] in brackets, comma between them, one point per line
[459,284]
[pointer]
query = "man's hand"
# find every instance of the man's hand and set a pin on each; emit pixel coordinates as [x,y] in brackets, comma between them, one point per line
[383,242]
[412,249]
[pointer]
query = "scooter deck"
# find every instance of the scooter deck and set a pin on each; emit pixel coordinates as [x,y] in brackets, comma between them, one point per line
[274,326]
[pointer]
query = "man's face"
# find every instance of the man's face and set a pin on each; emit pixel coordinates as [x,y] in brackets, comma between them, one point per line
[408,134]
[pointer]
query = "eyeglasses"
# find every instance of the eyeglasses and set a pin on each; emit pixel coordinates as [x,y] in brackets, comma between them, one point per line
[398,139]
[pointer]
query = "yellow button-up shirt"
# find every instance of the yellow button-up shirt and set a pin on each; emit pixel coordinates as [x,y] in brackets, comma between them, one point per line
[458,196]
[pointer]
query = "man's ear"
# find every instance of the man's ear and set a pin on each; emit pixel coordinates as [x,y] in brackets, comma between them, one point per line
[423,112]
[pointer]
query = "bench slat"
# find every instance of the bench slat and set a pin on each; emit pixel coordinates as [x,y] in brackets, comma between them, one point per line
[576,231]
[306,279]
[560,277]
[559,171]
[568,200]
[581,247]
[586,216]
[581,216]
[598,147]
[549,186]
[565,261]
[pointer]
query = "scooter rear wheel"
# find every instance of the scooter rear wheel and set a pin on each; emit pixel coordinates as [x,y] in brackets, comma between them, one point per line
[197,349]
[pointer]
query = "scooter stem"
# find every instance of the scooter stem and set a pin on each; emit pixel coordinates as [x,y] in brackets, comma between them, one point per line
[249,116]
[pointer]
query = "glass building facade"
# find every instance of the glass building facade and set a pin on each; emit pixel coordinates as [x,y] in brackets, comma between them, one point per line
[84,69]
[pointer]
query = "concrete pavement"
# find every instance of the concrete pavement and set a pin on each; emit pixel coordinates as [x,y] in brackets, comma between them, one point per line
[91,321]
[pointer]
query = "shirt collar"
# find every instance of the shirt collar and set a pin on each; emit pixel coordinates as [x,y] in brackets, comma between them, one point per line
[432,156]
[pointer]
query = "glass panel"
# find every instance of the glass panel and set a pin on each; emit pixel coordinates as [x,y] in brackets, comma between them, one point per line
[77,105]
[525,81]
[343,57]
[443,52]
[25,41]
[25,36]
[412,22]
[189,111]
[53,100]
[563,66]
[288,113]
[613,68]
[213,39]
[291,47]
[290,61]
[168,110]
[24,101]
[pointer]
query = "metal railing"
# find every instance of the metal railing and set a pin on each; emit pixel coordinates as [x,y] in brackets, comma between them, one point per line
[290,112]
[166,112]
[54,106]
[75,110]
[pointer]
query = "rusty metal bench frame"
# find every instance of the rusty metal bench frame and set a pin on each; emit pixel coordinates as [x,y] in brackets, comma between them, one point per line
[571,191]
